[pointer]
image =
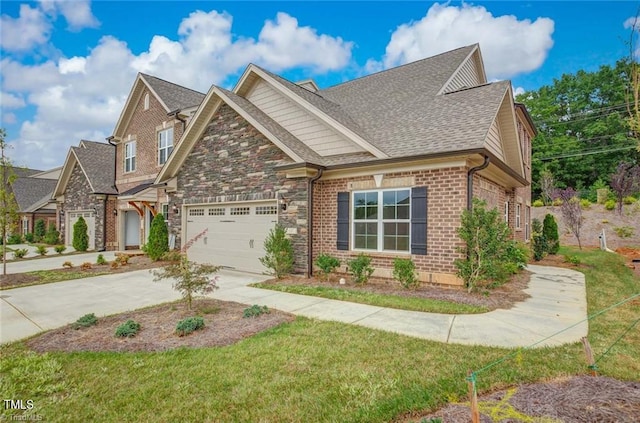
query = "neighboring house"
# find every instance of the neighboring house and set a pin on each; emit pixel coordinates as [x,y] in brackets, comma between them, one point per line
[150,125]
[85,189]
[382,165]
[32,190]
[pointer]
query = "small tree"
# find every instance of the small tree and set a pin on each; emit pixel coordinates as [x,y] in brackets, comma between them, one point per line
[39,230]
[80,235]
[190,278]
[327,264]
[158,238]
[8,205]
[571,211]
[625,181]
[550,233]
[539,242]
[52,236]
[547,186]
[279,252]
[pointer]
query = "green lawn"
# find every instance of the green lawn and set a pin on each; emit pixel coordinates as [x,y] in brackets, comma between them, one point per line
[391,301]
[310,370]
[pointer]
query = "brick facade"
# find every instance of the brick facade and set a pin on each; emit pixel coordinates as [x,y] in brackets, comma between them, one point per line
[233,161]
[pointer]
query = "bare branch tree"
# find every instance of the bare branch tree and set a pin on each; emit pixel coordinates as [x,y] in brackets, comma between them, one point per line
[625,181]
[571,211]
[547,186]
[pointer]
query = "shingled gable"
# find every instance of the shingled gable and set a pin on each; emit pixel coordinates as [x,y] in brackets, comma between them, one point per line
[171,96]
[31,192]
[96,162]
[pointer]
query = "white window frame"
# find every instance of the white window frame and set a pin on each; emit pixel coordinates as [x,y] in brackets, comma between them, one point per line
[518,223]
[130,157]
[165,210]
[146,101]
[25,225]
[165,145]
[506,212]
[527,218]
[379,221]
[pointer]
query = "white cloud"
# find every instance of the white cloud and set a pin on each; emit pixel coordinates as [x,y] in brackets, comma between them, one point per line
[632,22]
[29,29]
[509,46]
[77,13]
[518,91]
[81,97]
[11,101]
[9,118]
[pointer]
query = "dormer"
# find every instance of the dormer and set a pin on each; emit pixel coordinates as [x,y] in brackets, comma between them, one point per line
[309,85]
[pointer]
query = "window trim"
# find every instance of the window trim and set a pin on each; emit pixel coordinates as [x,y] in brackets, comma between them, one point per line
[518,217]
[380,221]
[130,156]
[168,147]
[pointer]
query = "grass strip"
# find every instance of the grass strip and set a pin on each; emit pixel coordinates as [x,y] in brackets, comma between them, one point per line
[400,302]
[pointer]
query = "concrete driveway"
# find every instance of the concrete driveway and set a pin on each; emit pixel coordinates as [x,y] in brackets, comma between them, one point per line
[54,261]
[558,301]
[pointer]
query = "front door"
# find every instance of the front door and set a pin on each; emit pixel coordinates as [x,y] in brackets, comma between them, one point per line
[131,229]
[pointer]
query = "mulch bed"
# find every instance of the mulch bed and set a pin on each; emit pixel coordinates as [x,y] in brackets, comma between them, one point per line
[576,399]
[224,325]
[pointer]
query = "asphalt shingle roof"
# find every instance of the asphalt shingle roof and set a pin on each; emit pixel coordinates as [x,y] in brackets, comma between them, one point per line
[97,160]
[29,191]
[173,95]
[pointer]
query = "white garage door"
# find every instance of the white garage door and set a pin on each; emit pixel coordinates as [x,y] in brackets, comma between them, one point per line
[90,219]
[235,233]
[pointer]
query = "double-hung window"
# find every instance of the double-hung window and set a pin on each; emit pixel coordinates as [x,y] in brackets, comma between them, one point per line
[130,156]
[518,216]
[382,220]
[165,145]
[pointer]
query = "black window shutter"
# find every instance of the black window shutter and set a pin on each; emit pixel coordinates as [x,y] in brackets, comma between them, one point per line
[419,220]
[343,221]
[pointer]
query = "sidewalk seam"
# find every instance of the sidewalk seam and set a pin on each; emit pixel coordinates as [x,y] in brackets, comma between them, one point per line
[21,313]
[450,328]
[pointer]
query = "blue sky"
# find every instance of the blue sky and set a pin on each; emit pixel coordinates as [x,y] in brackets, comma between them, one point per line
[67,66]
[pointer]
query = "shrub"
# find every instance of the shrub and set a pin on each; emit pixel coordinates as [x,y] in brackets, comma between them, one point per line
[557,202]
[610,205]
[122,259]
[80,235]
[114,264]
[279,252]
[85,266]
[189,278]
[575,260]
[189,325]
[327,264]
[41,249]
[360,268]
[85,321]
[550,233]
[629,200]
[158,243]
[52,236]
[538,203]
[100,260]
[67,264]
[14,239]
[39,230]
[488,249]
[128,329]
[60,249]
[29,237]
[173,255]
[404,270]
[255,311]
[585,204]
[624,231]
[539,241]
[605,221]
[20,253]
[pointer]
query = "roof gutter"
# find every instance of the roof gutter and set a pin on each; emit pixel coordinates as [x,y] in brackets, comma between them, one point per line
[176,114]
[310,222]
[115,167]
[470,174]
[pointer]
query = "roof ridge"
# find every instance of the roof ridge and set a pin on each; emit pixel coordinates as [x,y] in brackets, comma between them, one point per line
[476,86]
[398,67]
[169,82]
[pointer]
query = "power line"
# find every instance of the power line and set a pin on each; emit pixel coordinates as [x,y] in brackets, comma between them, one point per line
[584,153]
[586,112]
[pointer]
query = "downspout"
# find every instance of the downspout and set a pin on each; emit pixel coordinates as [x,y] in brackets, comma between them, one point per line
[310,222]
[115,169]
[104,225]
[176,114]
[470,174]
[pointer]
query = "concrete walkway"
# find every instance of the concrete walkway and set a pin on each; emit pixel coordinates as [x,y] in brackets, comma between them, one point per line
[54,261]
[558,300]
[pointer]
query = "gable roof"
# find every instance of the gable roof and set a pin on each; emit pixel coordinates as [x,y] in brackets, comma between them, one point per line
[171,96]
[96,161]
[438,105]
[30,191]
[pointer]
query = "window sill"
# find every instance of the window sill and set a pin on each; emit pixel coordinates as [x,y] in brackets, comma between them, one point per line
[382,254]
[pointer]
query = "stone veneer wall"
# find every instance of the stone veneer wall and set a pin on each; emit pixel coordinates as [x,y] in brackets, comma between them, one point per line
[446,199]
[233,161]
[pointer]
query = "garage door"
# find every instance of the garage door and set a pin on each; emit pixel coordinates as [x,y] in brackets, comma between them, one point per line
[90,219]
[235,233]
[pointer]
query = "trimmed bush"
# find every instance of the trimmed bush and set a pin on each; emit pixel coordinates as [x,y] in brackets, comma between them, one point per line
[80,235]
[100,260]
[585,204]
[20,253]
[41,249]
[189,325]
[128,329]
[67,265]
[85,321]
[122,259]
[404,271]
[279,252]
[360,268]
[255,311]
[14,239]
[629,200]
[39,230]
[610,205]
[29,237]
[550,233]
[539,246]
[327,264]
[60,249]
[538,203]
[158,238]
[86,266]
[624,231]
[52,236]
